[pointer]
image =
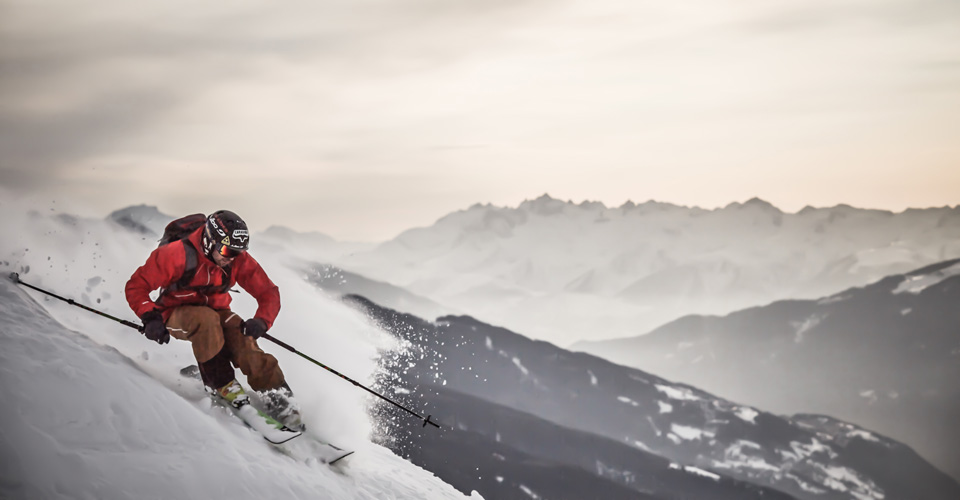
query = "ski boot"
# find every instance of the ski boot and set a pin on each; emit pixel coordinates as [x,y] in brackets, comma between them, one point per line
[282,406]
[234,394]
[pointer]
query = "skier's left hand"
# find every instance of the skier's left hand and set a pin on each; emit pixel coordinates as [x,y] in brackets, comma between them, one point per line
[255,328]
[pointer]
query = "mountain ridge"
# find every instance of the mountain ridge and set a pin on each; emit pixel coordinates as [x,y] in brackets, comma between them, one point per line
[887,350]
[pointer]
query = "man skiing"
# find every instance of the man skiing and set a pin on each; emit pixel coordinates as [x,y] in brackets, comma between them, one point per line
[194,275]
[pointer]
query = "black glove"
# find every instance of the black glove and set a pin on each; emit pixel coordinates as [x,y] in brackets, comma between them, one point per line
[255,328]
[153,327]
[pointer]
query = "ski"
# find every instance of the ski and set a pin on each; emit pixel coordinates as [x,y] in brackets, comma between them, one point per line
[280,436]
[269,428]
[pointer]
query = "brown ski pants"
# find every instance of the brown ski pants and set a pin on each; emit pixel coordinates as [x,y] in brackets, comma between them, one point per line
[211,332]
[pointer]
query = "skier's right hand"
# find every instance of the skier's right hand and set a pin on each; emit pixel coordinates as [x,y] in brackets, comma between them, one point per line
[254,327]
[153,327]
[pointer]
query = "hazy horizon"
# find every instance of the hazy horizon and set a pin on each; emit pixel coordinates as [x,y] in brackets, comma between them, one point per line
[72,207]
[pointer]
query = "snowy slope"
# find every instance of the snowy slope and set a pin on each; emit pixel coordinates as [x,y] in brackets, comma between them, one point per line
[563,272]
[94,410]
[83,421]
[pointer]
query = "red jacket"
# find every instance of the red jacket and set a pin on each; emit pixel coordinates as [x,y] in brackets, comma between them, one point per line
[166,265]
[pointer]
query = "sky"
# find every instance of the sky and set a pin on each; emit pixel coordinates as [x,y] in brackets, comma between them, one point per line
[364,118]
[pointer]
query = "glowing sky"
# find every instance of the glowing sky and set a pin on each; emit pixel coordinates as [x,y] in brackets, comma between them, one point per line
[362,118]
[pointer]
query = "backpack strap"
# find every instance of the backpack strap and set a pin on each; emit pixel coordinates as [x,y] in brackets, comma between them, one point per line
[190,270]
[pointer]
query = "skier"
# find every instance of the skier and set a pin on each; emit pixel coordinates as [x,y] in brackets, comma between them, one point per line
[195,274]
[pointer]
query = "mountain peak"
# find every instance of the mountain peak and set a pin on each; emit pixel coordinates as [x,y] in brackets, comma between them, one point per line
[141,210]
[144,219]
[754,202]
[544,205]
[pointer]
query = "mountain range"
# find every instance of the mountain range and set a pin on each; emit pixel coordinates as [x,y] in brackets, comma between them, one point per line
[886,355]
[566,272]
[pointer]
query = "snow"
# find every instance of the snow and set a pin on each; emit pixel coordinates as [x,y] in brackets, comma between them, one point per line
[735,458]
[700,472]
[845,480]
[593,378]
[93,410]
[687,433]
[802,327]
[519,365]
[624,476]
[530,493]
[82,417]
[803,451]
[918,283]
[862,434]
[643,446]
[833,299]
[624,399]
[653,425]
[747,414]
[678,393]
[696,470]
[665,407]
[805,486]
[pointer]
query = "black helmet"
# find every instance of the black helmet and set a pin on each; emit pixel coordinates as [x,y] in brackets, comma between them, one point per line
[226,234]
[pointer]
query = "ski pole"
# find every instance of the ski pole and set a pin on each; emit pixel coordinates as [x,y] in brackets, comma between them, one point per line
[348,379]
[16,279]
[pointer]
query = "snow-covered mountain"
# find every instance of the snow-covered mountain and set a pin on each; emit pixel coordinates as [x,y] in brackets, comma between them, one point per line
[529,402]
[93,410]
[886,356]
[565,272]
[144,219]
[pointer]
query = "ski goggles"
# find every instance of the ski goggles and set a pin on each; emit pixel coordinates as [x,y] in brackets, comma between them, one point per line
[229,253]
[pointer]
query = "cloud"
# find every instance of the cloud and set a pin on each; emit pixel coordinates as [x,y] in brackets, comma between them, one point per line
[490,94]
[788,18]
[35,147]
[82,84]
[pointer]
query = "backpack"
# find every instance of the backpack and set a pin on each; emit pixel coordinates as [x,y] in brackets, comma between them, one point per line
[181,229]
